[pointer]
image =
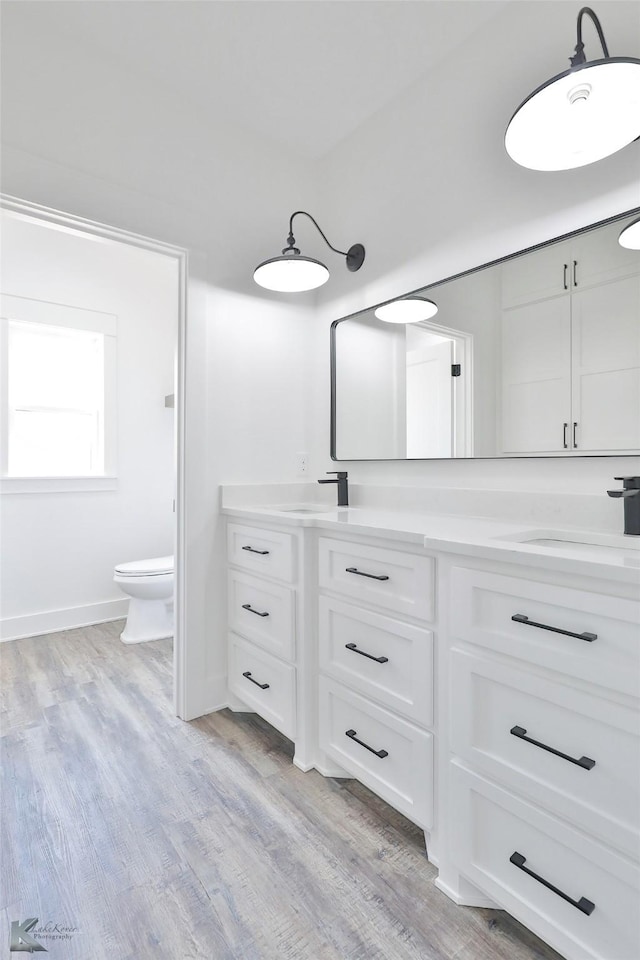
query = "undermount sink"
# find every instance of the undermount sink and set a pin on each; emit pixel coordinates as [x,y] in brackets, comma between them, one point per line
[588,543]
[303,508]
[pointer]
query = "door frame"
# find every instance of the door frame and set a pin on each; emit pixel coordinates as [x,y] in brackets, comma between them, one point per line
[462,396]
[70,222]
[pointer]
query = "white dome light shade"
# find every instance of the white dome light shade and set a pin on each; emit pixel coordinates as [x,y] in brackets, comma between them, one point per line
[578,117]
[291,274]
[630,236]
[409,310]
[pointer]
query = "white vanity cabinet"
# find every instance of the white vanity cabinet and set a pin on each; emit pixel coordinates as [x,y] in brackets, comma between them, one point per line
[376,611]
[262,609]
[543,773]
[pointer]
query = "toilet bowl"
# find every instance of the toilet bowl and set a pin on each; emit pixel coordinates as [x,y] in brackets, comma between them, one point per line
[149,584]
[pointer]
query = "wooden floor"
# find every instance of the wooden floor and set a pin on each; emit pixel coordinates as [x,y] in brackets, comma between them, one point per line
[164,840]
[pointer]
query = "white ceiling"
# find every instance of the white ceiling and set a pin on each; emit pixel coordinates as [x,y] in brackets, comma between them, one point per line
[305,73]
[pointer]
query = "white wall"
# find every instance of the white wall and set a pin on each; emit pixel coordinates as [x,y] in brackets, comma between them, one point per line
[427,186]
[59,549]
[371,387]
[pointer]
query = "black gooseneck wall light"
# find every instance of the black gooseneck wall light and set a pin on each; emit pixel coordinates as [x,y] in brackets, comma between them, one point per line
[293,273]
[582,115]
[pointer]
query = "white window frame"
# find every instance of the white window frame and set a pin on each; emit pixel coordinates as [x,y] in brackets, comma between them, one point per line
[60,315]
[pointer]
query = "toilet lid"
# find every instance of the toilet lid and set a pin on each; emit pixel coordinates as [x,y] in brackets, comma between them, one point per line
[146,568]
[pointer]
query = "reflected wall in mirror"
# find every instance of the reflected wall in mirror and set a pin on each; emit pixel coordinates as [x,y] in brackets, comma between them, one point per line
[535,355]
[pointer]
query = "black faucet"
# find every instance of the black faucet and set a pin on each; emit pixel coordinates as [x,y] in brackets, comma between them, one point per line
[343,486]
[631,493]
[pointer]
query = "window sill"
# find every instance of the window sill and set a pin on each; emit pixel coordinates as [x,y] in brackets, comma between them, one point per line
[10,485]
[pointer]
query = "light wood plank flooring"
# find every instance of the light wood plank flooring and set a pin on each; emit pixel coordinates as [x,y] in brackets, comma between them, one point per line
[165,840]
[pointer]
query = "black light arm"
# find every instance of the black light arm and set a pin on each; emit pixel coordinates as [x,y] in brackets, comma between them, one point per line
[354,255]
[579,56]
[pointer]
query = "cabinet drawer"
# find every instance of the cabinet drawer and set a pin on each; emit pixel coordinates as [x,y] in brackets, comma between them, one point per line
[264,683]
[483,605]
[401,582]
[397,761]
[392,661]
[601,795]
[267,552]
[262,612]
[493,825]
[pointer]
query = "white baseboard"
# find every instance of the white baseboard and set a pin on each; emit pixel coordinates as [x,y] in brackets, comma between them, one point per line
[52,621]
[466,894]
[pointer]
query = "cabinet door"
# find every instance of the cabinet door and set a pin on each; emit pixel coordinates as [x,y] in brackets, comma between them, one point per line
[606,367]
[537,276]
[536,382]
[597,257]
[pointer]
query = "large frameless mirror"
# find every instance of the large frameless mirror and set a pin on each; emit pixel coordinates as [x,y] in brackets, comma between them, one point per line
[535,355]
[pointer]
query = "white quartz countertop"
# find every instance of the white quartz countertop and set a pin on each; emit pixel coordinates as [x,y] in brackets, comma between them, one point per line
[571,550]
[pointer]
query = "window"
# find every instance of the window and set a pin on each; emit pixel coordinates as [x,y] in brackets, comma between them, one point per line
[58,394]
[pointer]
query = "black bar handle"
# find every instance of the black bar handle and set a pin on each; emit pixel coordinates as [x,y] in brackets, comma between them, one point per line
[379,753]
[575,273]
[263,686]
[369,656]
[372,576]
[564,278]
[584,905]
[520,618]
[247,606]
[585,762]
[575,427]
[263,553]
[565,427]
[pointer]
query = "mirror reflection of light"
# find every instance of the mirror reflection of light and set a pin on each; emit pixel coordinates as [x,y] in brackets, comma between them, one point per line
[630,236]
[408,310]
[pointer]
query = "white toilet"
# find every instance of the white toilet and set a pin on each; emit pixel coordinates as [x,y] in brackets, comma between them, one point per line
[149,583]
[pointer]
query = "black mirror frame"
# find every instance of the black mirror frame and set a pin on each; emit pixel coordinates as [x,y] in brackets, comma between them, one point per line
[634,211]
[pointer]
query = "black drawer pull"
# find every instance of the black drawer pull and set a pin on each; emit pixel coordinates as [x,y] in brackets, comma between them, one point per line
[262,553]
[584,905]
[585,762]
[379,753]
[520,618]
[247,606]
[369,656]
[263,686]
[372,576]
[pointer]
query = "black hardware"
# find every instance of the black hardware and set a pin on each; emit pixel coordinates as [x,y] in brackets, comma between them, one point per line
[379,753]
[585,762]
[247,606]
[575,273]
[564,436]
[575,427]
[263,686]
[520,618]
[369,656]
[372,576]
[342,479]
[455,369]
[631,494]
[584,905]
[564,278]
[262,553]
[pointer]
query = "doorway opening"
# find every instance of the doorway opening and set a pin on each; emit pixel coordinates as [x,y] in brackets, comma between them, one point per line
[439,377]
[93,363]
